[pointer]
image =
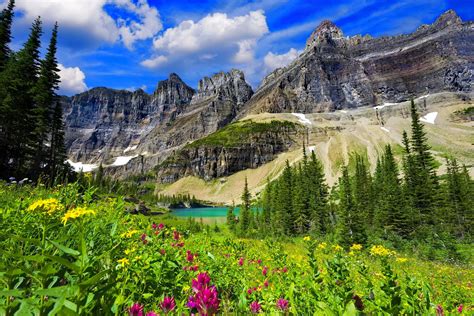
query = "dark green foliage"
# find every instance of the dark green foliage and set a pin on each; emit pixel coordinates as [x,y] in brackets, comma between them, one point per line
[31,120]
[6,19]
[245,217]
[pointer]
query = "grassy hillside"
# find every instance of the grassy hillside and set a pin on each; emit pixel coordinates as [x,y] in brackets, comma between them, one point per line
[69,250]
[334,136]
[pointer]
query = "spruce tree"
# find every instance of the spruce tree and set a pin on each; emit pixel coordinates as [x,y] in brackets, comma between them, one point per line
[6,19]
[318,195]
[231,217]
[300,205]
[46,101]
[245,209]
[362,188]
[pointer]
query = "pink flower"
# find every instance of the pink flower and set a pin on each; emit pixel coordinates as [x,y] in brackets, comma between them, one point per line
[154,226]
[249,291]
[460,308]
[135,310]
[265,284]
[241,261]
[439,310]
[282,304]
[152,313]
[161,226]
[176,235]
[168,304]
[189,256]
[259,261]
[162,251]
[264,271]
[143,237]
[205,300]
[285,270]
[255,307]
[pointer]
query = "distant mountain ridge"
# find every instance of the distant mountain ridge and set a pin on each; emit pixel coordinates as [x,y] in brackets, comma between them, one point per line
[333,72]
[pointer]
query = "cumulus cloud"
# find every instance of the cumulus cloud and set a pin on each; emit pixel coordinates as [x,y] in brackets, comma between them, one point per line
[72,80]
[273,61]
[87,21]
[216,37]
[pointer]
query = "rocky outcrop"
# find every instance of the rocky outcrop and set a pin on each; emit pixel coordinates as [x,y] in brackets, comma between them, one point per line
[236,147]
[105,124]
[336,72]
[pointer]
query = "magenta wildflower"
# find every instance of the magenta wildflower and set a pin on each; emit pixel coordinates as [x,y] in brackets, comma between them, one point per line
[460,308]
[249,291]
[255,307]
[168,304]
[439,310]
[264,271]
[189,256]
[205,300]
[241,261]
[144,240]
[152,313]
[154,226]
[162,251]
[285,270]
[176,235]
[259,261]
[282,304]
[161,226]
[265,284]
[135,310]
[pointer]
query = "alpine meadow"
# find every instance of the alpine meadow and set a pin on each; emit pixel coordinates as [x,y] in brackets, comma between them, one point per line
[332,175]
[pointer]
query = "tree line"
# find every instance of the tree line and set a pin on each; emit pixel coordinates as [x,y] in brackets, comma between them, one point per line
[31,118]
[398,201]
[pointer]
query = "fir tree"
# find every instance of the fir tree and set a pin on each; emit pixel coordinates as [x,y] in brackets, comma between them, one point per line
[245,209]
[6,19]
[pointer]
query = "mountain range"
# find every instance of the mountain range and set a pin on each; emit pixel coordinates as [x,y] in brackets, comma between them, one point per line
[222,127]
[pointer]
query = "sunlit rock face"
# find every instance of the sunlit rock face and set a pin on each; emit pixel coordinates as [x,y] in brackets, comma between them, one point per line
[337,72]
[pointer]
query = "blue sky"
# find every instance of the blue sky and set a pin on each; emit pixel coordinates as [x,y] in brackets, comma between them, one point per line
[128,44]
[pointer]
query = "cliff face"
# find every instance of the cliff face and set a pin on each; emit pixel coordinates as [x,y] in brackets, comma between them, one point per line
[135,132]
[104,124]
[236,147]
[336,72]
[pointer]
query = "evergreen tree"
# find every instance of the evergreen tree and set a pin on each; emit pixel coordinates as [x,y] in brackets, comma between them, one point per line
[318,194]
[46,103]
[231,217]
[362,187]
[6,19]
[17,83]
[245,209]
[300,205]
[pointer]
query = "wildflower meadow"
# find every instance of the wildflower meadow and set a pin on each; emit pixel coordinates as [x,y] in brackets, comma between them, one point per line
[69,251]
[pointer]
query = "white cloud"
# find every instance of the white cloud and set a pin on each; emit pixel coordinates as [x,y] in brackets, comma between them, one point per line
[72,80]
[273,61]
[214,37]
[89,21]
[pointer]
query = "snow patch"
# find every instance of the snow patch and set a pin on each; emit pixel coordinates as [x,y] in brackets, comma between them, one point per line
[385,129]
[130,148]
[302,118]
[312,148]
[79,166]
[378,107]
[122,160]
[429,118]
[343,111]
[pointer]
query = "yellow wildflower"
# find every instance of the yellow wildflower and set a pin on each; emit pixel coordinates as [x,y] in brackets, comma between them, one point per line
[75,213]
[322,245]
[351,253]
[337,248]
[129,251]
[381,251]
[49,206]
[129,233]
[356,247]
[401,260]
[123,262]
[307,238]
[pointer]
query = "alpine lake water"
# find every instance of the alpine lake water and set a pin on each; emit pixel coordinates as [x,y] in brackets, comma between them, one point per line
[209,215]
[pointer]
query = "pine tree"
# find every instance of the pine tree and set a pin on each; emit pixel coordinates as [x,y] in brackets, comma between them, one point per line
[46,102]
[57,155]
[17,84]
[231,217]
[245,209]
[318,195]
[6,19]
[362,187]
[300,203]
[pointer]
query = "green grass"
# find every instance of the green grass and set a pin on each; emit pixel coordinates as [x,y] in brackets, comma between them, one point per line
[103,261]
[238,133]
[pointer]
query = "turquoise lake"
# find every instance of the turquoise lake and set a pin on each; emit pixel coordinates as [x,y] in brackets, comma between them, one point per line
[208,214]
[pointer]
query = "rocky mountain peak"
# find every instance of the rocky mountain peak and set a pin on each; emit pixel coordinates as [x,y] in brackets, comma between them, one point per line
[225,85]
[326,32]
[172,91]
[448,18]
